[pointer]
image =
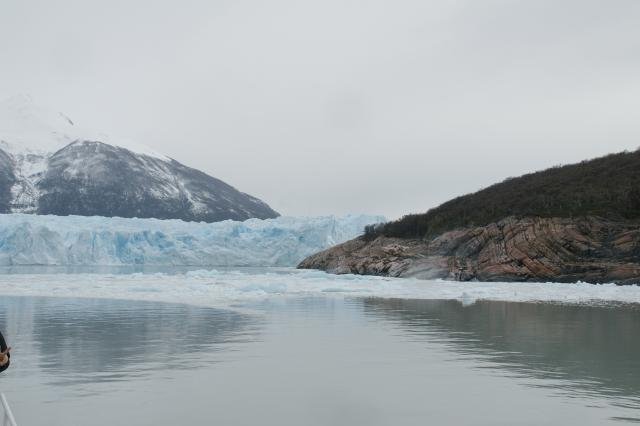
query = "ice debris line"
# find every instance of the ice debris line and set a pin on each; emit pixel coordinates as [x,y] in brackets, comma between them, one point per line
[74,240]
[228,288]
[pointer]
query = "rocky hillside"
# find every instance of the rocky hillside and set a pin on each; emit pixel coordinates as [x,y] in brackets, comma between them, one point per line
[466,239]
[605,187]
[533,249]
[50,166]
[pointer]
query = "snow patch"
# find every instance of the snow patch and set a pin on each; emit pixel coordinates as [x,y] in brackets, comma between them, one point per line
[29,169]
[28,128]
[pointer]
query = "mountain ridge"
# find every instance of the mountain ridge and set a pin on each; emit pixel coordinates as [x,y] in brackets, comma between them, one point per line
[607,186]
[48,165]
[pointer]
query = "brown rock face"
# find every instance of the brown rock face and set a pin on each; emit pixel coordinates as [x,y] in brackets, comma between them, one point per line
[589,249]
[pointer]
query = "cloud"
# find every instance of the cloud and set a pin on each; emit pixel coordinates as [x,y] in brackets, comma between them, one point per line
[340,106]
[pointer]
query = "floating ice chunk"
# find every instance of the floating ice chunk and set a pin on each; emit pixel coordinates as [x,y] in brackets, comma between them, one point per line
[467,300]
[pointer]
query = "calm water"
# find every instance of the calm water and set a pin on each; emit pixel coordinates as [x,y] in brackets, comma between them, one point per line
[321,361]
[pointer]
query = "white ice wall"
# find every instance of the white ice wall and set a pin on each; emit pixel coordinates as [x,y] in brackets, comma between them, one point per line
[74,240]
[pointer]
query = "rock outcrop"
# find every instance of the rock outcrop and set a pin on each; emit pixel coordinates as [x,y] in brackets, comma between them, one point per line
[589,249]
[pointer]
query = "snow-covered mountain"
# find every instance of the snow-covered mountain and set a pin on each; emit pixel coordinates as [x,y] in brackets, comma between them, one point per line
[50,165]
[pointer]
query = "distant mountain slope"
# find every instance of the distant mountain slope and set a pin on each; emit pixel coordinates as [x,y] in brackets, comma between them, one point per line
[7,180]
[607,187]
[96,179]
[50,166]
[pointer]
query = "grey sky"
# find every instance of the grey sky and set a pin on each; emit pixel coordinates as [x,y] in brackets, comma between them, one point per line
[339,106]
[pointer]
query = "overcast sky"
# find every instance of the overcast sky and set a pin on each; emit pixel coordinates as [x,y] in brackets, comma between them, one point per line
[338,106]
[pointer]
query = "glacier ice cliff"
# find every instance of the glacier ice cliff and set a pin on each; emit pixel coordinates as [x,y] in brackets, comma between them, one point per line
[77,240]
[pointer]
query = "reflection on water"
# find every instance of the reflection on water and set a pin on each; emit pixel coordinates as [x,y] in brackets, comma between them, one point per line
[77,341]
[577,350]
[321,361]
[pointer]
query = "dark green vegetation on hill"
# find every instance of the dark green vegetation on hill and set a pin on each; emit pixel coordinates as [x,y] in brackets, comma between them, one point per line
[607,187]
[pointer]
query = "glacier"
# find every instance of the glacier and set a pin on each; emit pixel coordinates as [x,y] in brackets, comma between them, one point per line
[79,240]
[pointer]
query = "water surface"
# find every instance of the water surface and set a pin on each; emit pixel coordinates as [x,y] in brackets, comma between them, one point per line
[321,361]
